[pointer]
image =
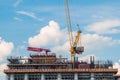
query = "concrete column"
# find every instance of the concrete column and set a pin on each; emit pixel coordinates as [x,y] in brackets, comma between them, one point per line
[26,77]
[59,76]
[76,76]
[92,76]
[42,76]
[11,76]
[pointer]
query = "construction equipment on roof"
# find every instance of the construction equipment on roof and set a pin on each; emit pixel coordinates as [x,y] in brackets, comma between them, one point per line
[38,49]
[75,45]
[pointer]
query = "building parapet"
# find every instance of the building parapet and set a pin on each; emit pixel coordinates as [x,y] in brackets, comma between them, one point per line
[33,64]
[59,70]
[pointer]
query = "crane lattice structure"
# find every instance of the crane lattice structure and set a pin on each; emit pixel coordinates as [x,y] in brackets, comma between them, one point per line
[75,47]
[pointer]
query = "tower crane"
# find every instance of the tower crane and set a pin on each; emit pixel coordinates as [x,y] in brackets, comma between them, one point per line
[75,47]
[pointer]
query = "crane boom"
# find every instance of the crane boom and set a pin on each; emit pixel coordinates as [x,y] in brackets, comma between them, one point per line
[69,22]
[74,48]
[37,49]
[77,38]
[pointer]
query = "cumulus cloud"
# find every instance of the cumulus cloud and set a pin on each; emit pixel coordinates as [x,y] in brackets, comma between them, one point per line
[5,48]
[105,27]
[29,14]
[57,39]
[62,49]
[2,67]
[48,35]
[117,65]
[91,41]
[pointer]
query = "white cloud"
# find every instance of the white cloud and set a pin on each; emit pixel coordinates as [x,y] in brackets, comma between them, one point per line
[49,35]
[2,67]
[30,14]
[91,41]
[62,49]
[117,65]
[97,17]
[17,3]
[105,27]
[57,39]
[17,19]
[86,58]
[5,48]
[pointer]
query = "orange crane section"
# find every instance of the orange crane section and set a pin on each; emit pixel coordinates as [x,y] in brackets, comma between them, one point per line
[77,47]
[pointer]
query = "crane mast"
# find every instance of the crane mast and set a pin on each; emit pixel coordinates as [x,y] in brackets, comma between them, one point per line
[69,24]
[74,47]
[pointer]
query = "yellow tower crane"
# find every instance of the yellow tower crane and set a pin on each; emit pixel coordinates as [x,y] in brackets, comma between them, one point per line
[75,47]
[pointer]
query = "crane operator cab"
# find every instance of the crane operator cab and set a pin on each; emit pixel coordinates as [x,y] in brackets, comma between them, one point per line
[77,47]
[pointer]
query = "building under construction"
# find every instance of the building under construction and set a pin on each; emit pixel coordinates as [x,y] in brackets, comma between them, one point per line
[47,66]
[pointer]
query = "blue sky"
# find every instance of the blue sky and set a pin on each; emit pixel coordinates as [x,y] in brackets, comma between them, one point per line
[22,23]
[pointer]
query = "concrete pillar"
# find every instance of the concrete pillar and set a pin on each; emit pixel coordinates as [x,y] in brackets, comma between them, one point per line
[59,76]
[26,77]
[76,76]
[92,76]
[11,76]
[42,76]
